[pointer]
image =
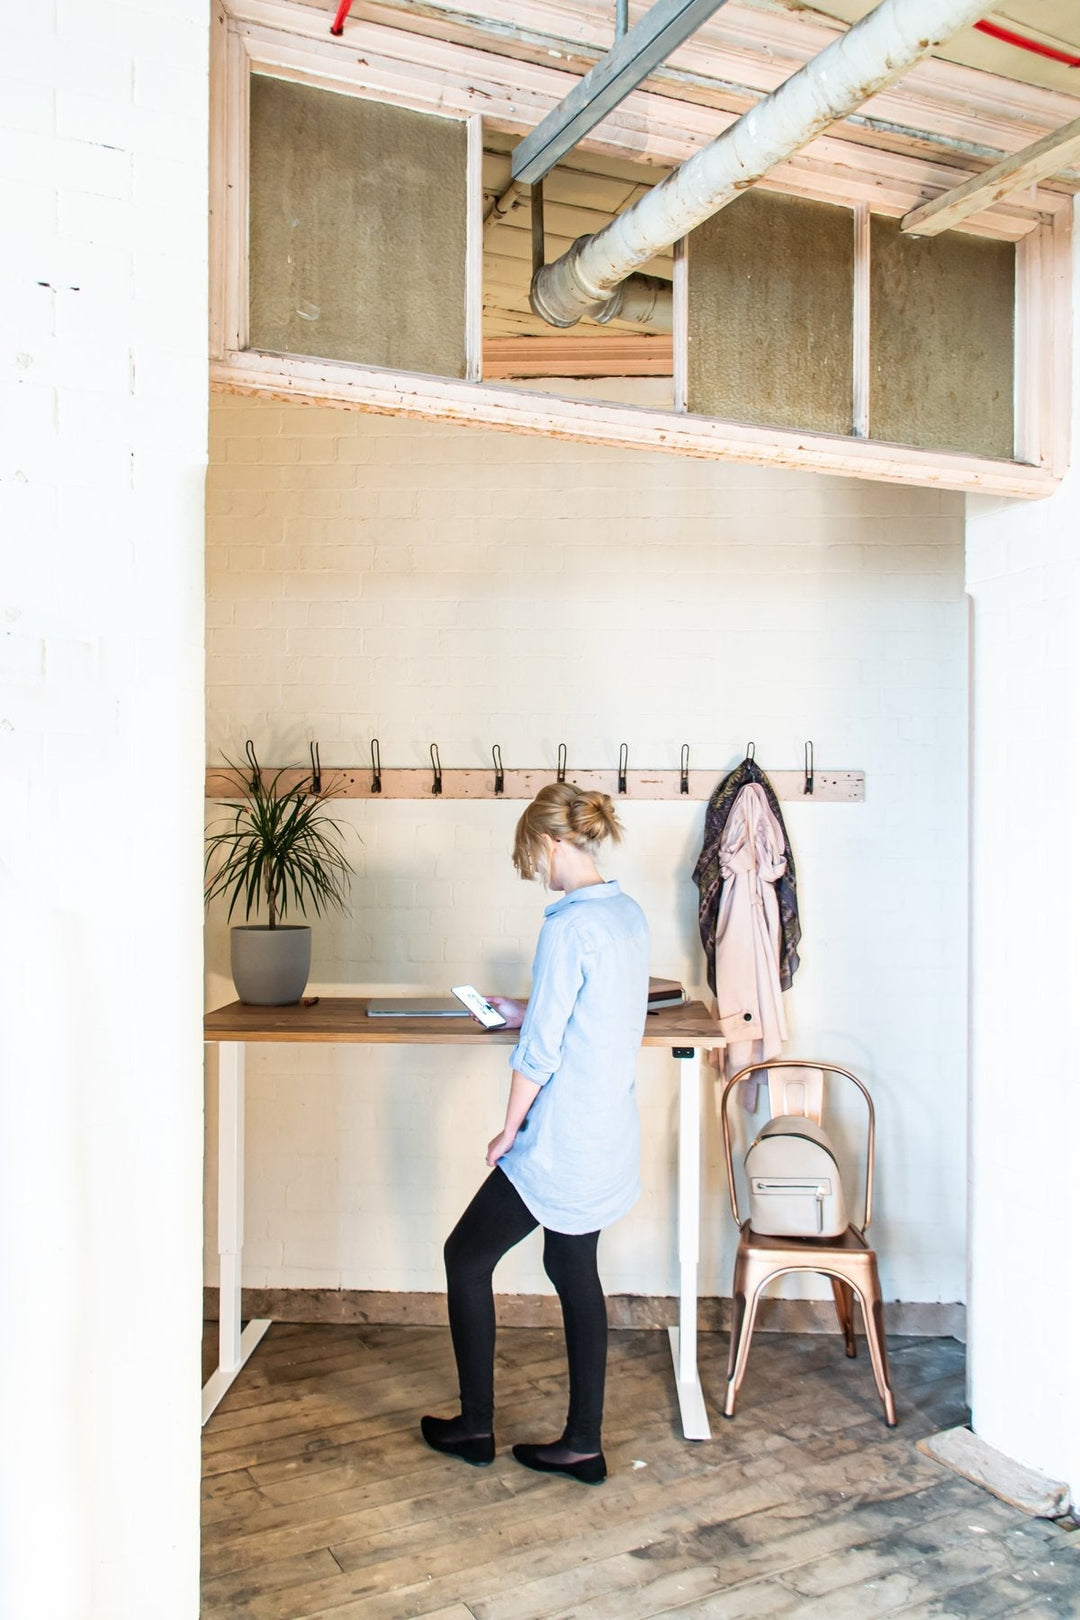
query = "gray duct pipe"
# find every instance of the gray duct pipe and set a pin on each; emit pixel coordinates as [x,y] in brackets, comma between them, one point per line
[645,300]
[875,51]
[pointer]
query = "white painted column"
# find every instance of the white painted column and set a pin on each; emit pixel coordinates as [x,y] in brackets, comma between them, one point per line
[103,131]
[1023,574]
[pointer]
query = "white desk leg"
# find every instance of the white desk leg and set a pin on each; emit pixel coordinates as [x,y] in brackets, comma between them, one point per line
[695,1419]
[234,1346]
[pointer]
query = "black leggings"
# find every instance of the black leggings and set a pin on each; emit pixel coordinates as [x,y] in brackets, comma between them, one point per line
[494,1221]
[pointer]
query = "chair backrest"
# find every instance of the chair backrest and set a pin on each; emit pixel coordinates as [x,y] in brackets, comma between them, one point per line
[796,1089]
[796,1086]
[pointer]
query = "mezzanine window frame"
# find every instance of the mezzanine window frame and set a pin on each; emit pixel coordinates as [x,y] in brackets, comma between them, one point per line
[451,80]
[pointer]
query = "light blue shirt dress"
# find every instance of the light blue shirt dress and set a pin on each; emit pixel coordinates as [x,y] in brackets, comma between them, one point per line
[576,1158]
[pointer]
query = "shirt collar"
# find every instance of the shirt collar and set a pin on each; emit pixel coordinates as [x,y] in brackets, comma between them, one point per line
[591,891]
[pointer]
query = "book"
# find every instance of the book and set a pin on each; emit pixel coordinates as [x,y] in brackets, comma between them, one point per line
[665,993]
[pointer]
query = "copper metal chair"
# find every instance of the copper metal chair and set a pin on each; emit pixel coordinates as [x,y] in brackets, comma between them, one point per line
[798,1087]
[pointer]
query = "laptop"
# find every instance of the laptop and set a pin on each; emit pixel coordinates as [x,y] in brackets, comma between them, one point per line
[416,1007]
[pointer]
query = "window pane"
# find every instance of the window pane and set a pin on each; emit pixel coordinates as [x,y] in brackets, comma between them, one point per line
[770,308]
[941,340]
[357,230]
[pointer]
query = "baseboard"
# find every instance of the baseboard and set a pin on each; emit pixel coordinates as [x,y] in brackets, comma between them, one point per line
[919,1319]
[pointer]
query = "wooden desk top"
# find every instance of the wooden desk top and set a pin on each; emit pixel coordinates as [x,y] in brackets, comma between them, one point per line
[345,1018]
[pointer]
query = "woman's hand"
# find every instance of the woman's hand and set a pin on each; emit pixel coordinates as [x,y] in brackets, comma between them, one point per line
[522,1096]
[499,1145]
[512,1011]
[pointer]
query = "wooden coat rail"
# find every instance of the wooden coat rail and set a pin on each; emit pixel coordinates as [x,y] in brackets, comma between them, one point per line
[355,782]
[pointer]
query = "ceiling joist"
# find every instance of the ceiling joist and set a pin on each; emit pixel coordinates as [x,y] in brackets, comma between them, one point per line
[1025,168]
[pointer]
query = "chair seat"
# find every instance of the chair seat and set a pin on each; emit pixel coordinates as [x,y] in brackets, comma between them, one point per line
[848,1241]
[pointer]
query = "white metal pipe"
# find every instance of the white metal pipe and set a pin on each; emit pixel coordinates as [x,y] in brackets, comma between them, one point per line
[645,300]
[502,208]
[872,53]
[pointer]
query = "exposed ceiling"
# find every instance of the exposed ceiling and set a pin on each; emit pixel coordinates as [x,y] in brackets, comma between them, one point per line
[587,189]
[1053,23]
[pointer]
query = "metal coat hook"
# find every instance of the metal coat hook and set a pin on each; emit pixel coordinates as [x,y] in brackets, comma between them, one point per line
[624,755]
[436,769]
[376,767]
[316,769]
[500,780]
[684,768]
[808,767]
[256,772]
[560,769]
[750,750]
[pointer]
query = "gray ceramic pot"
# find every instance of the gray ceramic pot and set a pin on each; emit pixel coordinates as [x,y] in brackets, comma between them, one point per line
[270,966]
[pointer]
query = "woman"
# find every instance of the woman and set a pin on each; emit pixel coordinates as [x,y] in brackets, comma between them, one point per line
[567,1156]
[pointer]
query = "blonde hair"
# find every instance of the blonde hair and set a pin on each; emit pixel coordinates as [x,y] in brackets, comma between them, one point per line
[566,812]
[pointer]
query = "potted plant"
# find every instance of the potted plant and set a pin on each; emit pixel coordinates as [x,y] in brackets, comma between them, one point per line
[280,847]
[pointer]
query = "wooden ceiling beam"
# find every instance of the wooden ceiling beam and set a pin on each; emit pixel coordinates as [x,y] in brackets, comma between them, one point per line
[513,410]
[1025,168]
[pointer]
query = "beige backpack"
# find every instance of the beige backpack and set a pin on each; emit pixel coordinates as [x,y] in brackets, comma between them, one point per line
[794,1180]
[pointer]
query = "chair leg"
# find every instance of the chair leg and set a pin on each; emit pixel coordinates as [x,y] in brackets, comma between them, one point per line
[738,1312]
[874,1318]
[844,1296]
[742,1332]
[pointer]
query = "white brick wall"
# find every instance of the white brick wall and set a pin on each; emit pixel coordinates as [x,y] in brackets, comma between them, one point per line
[103,198]
[371,576]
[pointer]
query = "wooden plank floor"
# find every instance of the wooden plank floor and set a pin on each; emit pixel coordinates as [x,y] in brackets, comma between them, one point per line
[321,1500]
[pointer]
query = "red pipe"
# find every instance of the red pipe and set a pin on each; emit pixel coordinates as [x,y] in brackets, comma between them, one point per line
[1009,38]
[338,24]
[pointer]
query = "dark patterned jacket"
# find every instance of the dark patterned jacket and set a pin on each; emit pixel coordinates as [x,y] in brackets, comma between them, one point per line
[710,882]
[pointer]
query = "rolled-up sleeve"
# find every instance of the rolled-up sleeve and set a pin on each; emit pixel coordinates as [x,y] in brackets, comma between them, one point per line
[558,974]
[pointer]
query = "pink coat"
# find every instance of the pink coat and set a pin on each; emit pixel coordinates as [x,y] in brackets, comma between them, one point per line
[748,997]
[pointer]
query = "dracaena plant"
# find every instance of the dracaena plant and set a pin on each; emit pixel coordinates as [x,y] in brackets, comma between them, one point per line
[279,847]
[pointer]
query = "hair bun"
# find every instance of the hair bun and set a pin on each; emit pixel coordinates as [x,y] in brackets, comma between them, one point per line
[592,816]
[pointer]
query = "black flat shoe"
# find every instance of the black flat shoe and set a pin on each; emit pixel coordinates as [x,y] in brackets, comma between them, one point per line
[478,1450]
[589,1471]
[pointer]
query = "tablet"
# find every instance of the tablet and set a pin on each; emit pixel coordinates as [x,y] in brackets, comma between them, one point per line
[415,1007]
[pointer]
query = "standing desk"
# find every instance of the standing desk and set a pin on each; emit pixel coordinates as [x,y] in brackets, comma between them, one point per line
[687,1031]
